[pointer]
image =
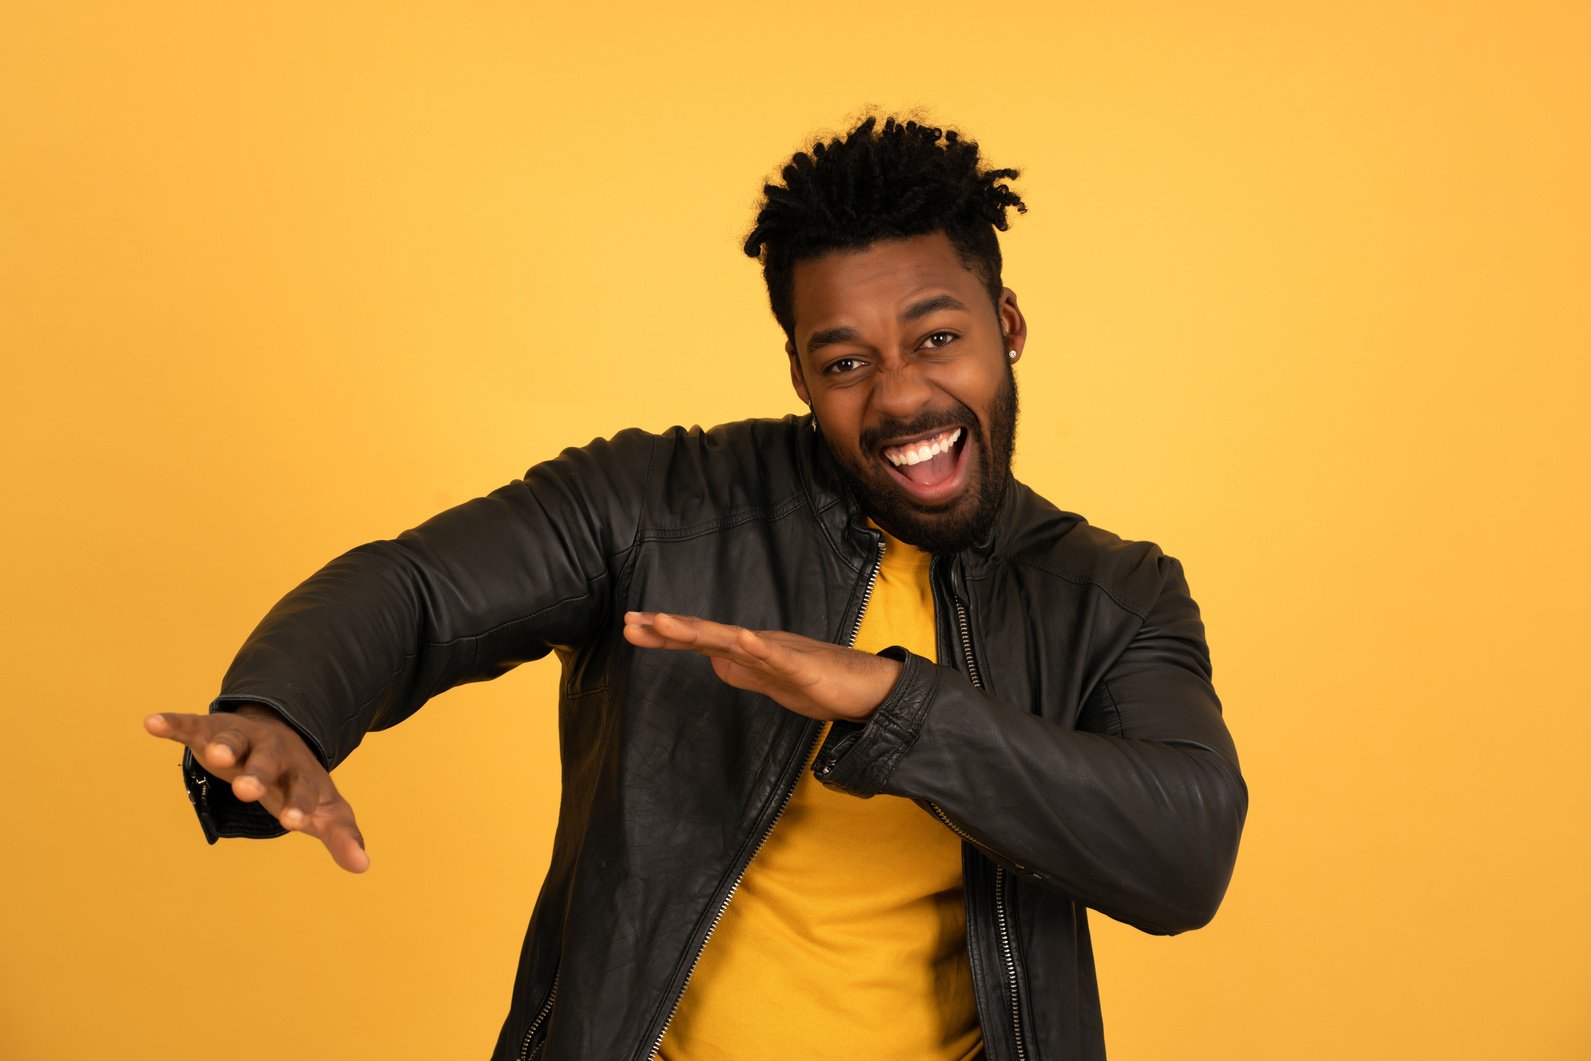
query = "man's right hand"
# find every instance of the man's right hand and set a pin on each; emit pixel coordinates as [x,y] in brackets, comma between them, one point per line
[266,761]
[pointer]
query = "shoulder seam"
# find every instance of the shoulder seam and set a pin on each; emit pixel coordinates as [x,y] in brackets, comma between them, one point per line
[733,519]
[1140,610]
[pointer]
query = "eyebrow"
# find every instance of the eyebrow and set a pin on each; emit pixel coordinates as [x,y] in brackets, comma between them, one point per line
[915,311]
[830,336]
[918,310]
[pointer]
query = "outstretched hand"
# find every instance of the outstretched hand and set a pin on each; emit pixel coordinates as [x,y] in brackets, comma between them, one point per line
[812,678]
[266,761]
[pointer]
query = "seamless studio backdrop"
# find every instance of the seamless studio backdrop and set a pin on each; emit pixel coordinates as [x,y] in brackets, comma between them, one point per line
[1307,292]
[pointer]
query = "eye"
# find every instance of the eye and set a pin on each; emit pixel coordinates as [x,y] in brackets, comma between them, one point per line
[935,340]
[839,366]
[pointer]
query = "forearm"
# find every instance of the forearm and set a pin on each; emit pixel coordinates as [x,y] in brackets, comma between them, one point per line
[1143,830]
[346,651]
[465,596]
[339,652]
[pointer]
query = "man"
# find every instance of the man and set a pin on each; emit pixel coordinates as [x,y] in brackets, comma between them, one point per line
[938,719]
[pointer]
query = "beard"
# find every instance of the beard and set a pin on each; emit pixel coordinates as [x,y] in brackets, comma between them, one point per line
[953,525]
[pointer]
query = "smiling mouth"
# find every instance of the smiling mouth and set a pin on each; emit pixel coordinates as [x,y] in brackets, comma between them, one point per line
[928,465]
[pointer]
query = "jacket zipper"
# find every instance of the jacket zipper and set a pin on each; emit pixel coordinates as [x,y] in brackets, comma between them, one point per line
[1007,953]
[541,1015]
[202,783]
[789,793]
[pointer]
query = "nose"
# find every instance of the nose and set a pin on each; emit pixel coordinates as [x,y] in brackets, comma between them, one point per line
[900,391]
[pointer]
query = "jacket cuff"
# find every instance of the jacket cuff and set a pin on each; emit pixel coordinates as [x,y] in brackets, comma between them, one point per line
[858,757]
[221,814]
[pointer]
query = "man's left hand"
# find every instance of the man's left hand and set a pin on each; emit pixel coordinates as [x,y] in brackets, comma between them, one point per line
[811,678]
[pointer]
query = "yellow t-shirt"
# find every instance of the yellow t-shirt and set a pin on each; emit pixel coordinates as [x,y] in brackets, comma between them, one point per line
[847,936]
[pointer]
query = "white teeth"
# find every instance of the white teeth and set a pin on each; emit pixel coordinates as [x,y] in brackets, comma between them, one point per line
[927,450]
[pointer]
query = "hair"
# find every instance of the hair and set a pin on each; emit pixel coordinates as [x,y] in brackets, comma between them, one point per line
[904,179]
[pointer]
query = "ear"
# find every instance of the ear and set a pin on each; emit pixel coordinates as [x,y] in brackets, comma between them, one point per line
[797,379]
[1013,326]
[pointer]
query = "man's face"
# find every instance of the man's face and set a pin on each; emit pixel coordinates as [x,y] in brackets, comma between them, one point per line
[904,363]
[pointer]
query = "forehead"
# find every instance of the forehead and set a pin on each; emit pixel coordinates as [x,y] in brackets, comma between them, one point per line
[847,286]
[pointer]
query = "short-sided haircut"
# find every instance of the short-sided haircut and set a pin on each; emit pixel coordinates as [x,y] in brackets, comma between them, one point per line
[880,183]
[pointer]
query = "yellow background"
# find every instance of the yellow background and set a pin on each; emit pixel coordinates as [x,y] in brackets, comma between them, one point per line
[1307,287]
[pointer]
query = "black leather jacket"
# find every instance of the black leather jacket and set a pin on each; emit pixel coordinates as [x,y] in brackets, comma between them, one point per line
[1071,736]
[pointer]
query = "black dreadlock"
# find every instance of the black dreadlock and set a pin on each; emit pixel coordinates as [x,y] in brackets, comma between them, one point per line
[876,184]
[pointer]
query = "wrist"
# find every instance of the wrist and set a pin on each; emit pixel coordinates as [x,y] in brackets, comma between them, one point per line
[858,757]
[261,711]
[884,674]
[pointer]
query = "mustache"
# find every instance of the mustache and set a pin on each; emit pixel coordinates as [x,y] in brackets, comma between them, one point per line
[874,438]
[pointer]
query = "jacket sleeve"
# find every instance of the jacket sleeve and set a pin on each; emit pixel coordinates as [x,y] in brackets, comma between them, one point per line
[1140,822]
[465,596]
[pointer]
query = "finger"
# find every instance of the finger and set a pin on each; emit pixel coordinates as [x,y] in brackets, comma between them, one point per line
[259,779]
[310,803]
[757,647]
[782,659]
[649,618]
[661,630]
[639,630]
[677,628]
[751,651]
[690,634]
[225,747]
[333,823]
[214,740]
[703,634]
[645,637]
[175,726]
[300,797]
